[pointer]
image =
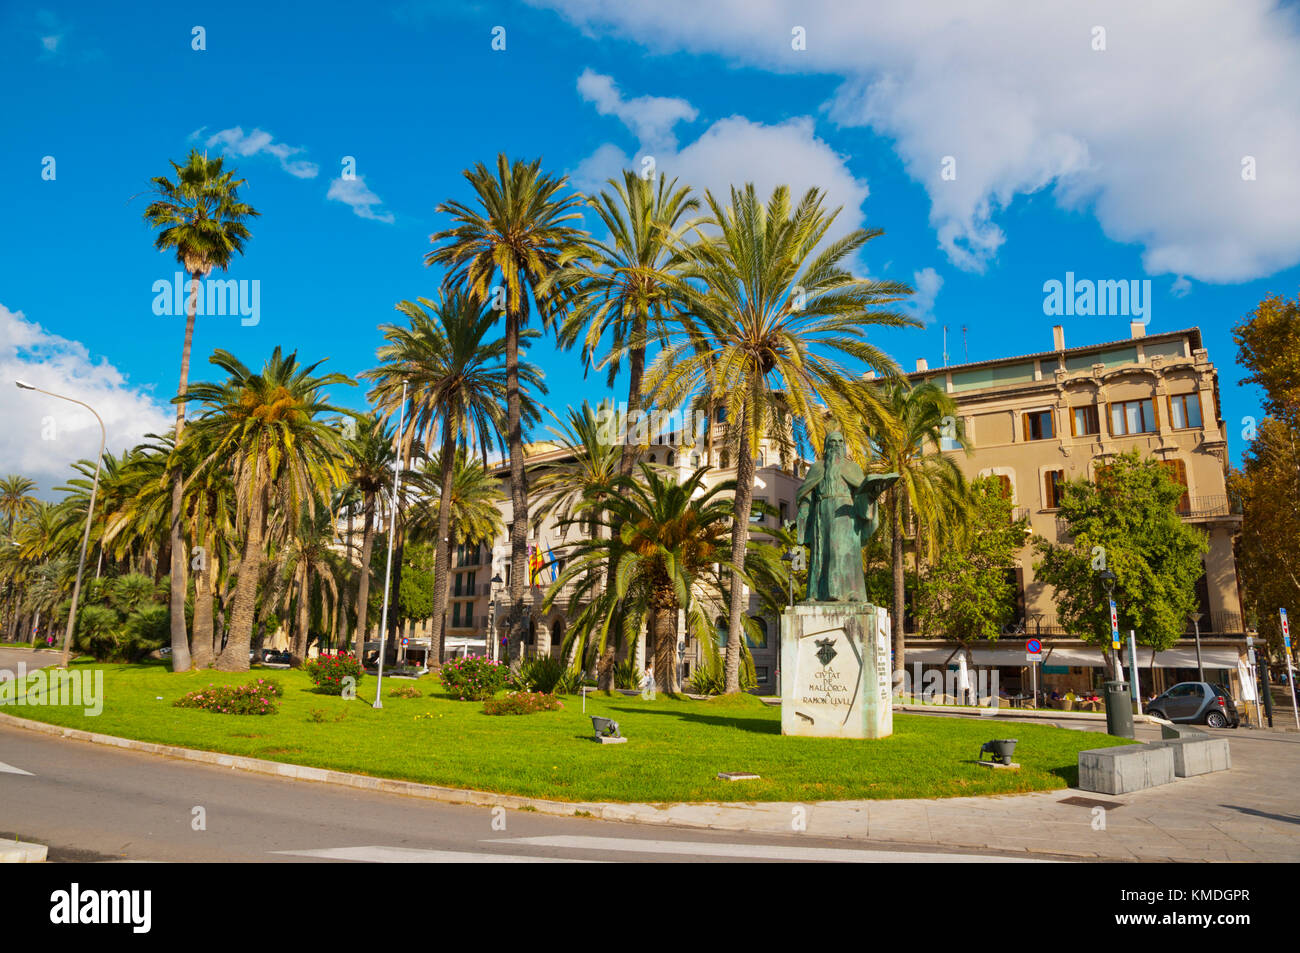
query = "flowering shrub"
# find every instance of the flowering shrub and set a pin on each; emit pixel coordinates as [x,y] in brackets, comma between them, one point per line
[255,698]
[473,678]
[329,669]
[521,703]
[406,691]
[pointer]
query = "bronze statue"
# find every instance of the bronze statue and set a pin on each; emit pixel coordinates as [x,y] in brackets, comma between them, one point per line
[837,517]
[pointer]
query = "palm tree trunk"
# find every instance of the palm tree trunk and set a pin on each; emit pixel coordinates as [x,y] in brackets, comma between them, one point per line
[203,630]
[234,657]
[442,552]
[516,620]
[896,553]
[665,657]
[176,602]
[363,584]
[636,373]
[298,649]
[739,540]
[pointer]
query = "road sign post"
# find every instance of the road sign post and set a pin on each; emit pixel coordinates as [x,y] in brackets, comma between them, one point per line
[1034,655]
[1290,669]
[1133,673]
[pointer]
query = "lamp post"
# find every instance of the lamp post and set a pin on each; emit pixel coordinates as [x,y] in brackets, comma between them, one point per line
[492,612]
[1108,580]
[90,514]
[1196,624]
[388,570]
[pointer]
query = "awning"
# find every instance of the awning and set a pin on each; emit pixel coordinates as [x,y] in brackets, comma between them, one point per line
[1074,655]
[1223,657]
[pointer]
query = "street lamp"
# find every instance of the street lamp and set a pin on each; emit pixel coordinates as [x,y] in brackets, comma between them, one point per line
[1196,623]
[1108,580]
[388,570]
[90,513]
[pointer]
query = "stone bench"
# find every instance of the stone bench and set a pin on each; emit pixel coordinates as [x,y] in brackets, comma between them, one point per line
[1197,755]
[1125,769]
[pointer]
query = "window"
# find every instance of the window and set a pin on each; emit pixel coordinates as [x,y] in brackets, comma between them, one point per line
[952,442]
[1133,416]
[469,584]
[1085,421]
[760,672]
[1053,488]
[1038,425]
[1177,471]
[756,514]
[785,512]
[1005,482]
[1184,411]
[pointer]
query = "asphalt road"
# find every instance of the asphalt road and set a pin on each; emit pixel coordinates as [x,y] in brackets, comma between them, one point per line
[88,802]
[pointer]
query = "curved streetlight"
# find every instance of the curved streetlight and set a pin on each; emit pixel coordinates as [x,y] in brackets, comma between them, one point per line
[388,570]
[90,513]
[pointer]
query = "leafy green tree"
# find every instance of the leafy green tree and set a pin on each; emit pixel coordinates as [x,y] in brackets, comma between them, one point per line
[201,218]
[1127,522]
[766,315]
[964,594]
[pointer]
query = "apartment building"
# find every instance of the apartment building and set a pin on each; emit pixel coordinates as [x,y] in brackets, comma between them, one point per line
[1035,421]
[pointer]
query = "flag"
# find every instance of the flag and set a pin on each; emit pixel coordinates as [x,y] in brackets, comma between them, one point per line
[555,570]
[534,564]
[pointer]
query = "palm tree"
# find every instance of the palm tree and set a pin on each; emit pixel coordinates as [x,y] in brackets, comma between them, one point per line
[930,489]
[666,540]
[473,516]
[761,305]
[201,219]
[16,501]
[371,455]
[307,554]
[269,428]
[624,287]
[574,489]
[517,236]
[457,381]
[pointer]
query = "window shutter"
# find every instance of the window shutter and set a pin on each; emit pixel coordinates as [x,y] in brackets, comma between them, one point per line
[1103,419]
[1155,409]
[1048,502]
[1025,420]
[1074,430]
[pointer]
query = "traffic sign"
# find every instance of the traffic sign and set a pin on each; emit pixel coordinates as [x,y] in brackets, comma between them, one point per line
[404,643]
[1033,656]
[1033,646]
[1286,629]
[1114,626]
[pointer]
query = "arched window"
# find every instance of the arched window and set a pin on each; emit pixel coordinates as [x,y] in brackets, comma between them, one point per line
[672,458]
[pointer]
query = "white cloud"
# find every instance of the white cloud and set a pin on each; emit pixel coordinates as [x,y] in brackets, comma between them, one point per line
[1149,134]
[1181,287]
[42,435]
[736,150]
[355,193]
[51,43]
[234,142]
[651,118]
[920,305]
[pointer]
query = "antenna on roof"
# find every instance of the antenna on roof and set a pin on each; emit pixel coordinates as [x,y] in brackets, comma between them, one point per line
[945,345]
[964,350]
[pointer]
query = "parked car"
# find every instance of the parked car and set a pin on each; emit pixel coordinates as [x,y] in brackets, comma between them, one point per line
[1197,703]
[275,657]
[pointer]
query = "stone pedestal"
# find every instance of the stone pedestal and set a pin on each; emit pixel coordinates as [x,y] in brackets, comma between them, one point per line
[835,671]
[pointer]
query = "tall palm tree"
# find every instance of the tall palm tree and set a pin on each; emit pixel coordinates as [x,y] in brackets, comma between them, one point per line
[456,381]
[307,555]
[764,309]
[574,489]
[624,287]
[666,539]
[516,236]
[473,516]
[930,490]
[16,501]
[371,456]
[201,218]
[269,427]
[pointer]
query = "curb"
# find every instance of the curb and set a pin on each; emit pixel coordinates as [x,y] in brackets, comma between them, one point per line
[638,813]
[21,852]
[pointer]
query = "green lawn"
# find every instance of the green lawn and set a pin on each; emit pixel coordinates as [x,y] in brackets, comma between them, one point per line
[674,751]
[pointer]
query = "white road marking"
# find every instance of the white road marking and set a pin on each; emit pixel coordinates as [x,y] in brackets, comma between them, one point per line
[10,769]
[411,855]
[758,851]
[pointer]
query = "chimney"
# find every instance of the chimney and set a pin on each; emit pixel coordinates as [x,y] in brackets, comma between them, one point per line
[921,365]
[870,375]
[1058,338]
[1137,329]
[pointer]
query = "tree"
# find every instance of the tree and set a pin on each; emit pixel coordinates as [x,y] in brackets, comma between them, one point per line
[930,490]
[1269,345]
[1126,522]
[624,288]
[269,427]
[371,455]
[764,309]
[16,501]
[457,382]
[517,236]
[964,594]
[668,543]
[201,218]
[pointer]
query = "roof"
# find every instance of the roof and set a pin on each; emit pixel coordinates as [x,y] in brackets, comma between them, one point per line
[1193,333]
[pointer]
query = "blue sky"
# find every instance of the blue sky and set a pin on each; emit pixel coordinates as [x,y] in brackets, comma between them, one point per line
[1114,163]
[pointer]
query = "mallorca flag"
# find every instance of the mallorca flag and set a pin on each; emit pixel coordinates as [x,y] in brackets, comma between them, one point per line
[534,564]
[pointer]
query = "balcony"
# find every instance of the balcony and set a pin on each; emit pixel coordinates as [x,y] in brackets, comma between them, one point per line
[1210,508]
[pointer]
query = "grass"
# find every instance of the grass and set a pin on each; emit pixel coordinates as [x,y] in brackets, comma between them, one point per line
[675,749]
